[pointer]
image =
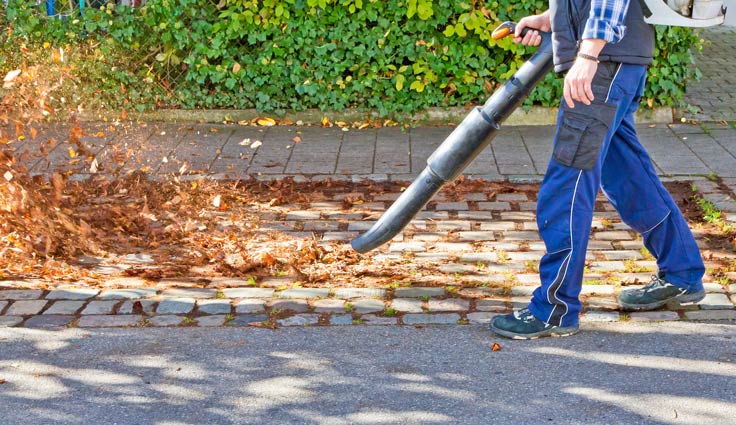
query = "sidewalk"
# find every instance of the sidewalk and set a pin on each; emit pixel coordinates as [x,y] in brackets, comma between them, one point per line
[714,96]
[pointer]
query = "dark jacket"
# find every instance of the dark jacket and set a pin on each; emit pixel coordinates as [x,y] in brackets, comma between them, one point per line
[568,19]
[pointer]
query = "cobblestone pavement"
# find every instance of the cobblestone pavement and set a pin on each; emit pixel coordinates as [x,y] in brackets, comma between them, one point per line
[714,96]
[484,239]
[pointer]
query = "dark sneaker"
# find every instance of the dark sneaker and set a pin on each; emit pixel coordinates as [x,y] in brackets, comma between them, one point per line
[656,294]
[522,324]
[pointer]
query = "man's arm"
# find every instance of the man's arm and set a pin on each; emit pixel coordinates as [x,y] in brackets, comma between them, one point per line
[605,24]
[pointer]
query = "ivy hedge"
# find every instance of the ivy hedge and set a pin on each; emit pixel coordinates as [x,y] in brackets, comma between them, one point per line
[391,56]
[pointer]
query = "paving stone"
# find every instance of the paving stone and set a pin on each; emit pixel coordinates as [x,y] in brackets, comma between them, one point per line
[449,225]
[26,308]
[525,256]
[732,288]
[368,305]
[179,305]
[491,305]
[216,306]
[431,319]
[341,319]
[165,320]
[246,305]
[20,294]
[305,293]
[109,321]
[523,290]
[128,293]
[450,304]
[520,236]
[299,306]
[299,320]
[50,321]
[418,292]
[481,317]
[511,197]
[600,316]
[99,307]
[339,236]
[3,304]
[329,306]
[494,206]
[615,235]
[622,255]
[716,302]
[64,307]
[127,282]
[475,215]
[247,319]
[480,292]
[653,316]
[451,206]
[601,303]
[453,246]
[711,315]
[520,302]
[137,307]
[71,294]
[372,319]
[476,257]
[10,321]
[248,292]
[714,288]
[407,305]
[477,236]
[303,215]
[407,247]
[360,293]
[518,215]
[457,268]
[528,279]
[190,293]
[210,321]
[597,289]
[498,226]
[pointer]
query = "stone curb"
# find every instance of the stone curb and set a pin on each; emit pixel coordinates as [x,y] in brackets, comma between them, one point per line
[537,115]
[416,306]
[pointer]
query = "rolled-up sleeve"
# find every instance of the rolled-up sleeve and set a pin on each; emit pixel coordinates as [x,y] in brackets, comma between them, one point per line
[606,20]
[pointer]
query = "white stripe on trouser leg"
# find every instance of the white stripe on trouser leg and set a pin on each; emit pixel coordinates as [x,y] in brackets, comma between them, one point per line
[569,258]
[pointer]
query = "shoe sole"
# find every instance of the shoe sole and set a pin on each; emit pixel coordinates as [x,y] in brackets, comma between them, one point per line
[683,299]
[554,333]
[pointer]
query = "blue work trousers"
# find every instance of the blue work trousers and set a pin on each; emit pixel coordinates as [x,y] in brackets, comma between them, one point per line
[596,146]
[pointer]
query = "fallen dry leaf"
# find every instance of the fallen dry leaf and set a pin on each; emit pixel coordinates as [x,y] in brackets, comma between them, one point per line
[266,122]
[496,347]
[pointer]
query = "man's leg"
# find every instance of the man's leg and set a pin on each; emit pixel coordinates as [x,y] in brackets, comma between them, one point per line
[631,184]
[566,201]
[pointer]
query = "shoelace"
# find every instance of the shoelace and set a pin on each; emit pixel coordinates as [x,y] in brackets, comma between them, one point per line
[524,315]
[654,284]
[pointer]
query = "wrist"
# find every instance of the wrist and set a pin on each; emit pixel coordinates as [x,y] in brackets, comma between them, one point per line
[588,57]
[592,46]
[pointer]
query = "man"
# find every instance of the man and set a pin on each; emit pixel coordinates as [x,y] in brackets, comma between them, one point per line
[604,46]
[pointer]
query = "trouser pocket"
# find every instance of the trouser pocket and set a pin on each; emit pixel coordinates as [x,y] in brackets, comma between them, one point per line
[582,130]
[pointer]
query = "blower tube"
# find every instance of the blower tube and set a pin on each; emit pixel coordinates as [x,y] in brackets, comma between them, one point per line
[461,147]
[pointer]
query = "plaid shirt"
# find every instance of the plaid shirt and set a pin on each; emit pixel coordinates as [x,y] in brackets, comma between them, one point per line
[606,20]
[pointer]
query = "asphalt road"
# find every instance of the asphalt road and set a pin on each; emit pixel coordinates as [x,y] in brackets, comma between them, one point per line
[625,373]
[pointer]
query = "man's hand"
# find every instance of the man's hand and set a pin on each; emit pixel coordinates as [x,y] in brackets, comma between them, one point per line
[539,22]
[579,79]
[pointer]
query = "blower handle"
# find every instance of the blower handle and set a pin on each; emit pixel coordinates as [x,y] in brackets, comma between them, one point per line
[508,28]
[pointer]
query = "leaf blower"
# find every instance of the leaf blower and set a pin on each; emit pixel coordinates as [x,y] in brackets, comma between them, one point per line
[479,128]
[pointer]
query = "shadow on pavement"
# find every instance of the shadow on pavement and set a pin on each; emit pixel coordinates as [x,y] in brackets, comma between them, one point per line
[676,372]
